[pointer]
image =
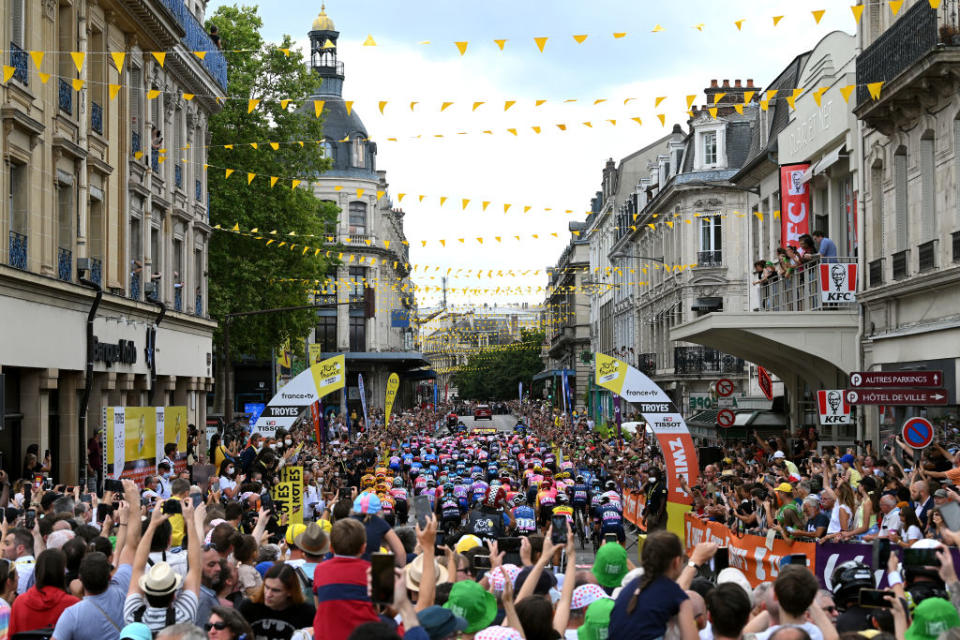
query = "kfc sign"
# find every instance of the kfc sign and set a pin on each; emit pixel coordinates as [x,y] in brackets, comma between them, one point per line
[794,203]
[838,282]
[833,407]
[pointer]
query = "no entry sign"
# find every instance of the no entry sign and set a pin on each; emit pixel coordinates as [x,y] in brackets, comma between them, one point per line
[917,432]
[724,387]
[725,418]
[766,384]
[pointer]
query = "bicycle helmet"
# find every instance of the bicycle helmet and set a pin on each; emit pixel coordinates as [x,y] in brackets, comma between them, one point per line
[398,481]
[610,485]
[580,479]
[562,498]
[448,487]
[847,580]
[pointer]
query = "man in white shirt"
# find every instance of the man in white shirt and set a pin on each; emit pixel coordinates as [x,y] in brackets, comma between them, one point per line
[163,480]
[18,549]
[891,515]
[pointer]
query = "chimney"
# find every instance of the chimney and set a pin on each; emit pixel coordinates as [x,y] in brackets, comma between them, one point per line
[749,83]
[737,83]
[713,83]
[726,84]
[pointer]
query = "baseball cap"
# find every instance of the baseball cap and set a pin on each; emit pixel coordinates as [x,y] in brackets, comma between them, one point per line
[785,487]
[941,493]
[474,603]
[439,622]
[778,454]
[610,565]
[293,531]
[136,631]
[932,617]
[596,622]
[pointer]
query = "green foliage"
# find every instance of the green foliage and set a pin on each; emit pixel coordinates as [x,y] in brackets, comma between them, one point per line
[495,375]
[244,274]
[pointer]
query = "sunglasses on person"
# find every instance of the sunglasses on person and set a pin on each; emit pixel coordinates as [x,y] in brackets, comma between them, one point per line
[219,625]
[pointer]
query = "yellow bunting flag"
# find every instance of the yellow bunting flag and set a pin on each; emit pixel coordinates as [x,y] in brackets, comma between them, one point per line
[690,100]
[776,20]
[562,127]
[874,89]
[500,43]
[255,145]
[37,57]
[349,105]
[465,202]
[369,42]
[764,104]
[160,56]
[739,24]
[580,38]
[273,181]
[44,77]
[637,120]
[78,57]
[792,99]
[539,102]
[443,200]
[188,96]
[477,104]
[484,205]
[8,72]
[513,131]
[818,95]
[152,94]
[713,112]
[227,173]
[318,107]
[445,105]
[380,194]
[359,193]
[846,91]
[771,93]
[657,101]
[748,96]
[663,119]
[400,197]
[857,10]
[934,4]
[619,34]
[114,90]
[461,47]
[421,198]
[480,240]
[383,104]
[328,44]
[250,177]
[895,6]
[535,129]
[251,105]
[738,108]
[587,124]
[526,208]
[275,146]
[541,43]
[77,84]
[294,184]
[508,104]
[200,54]
[657,29]
[818,14]
[717,97]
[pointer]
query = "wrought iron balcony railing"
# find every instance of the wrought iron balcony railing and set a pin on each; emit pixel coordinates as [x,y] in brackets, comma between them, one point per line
[96,118]
[18,60]
[709,258]
[178,297]
[64,264]
[96,271]
[197,39]
[700,360]
[18,250]
[801,290]
[647,363]
[66,96]
[927,256]
[135,286]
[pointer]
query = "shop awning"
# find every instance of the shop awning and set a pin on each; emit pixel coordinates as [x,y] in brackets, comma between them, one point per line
[827,161]
[554,373]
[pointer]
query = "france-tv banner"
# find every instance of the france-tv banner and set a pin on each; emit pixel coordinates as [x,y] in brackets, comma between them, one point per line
[794,203]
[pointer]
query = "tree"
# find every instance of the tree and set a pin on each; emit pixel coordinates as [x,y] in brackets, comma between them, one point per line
[246,275]
[496,374]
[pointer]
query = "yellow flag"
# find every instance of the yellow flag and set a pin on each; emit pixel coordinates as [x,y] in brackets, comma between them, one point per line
[738,108]
[739,24]
[78,57]
[934,4]
[255,145]
[118,58]
[152,94]
[588,124]
[506,207]
[465,201]
[477,104]
[541,43]
[580,39]
[37,58]
[227,173]
[360,193]
[318,107]
[857,10]
[349,105]
[637,120]
[251,105]
[818,14]
[846,91]
[383,104]
[393,383]
[188,97]
[461,47]
[77,84]
[501,43]
[717,97]
[619,34]
[273,181]
[275,146]
[663,119]
[8,72]
[895,6]
[485,204]
[771,93]
[525,209]
[294,184]
[43,77]
[114,90]
[400,197]
[513,131]
[161,56]
[874,88]
[328,44]
[380,194]
[776,20]
[818,95]
[369,42]
[443,200]
[539,102]
[480,240]
[657,29]
[562,127]
[657,101]
[748,96]
[445,105]
[690,100]
[713,112]
[250,177]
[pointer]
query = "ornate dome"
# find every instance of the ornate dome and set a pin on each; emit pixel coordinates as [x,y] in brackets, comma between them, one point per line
[322,22]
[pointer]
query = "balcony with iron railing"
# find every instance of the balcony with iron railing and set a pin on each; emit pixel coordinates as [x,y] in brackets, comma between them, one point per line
[96,118]
[704,360]
[709,258]
[197,39]
[647,363]
[801,290]
[96,271]
[135,143]
[198,307]
[901,260]
[65,97]
[178,297]
[17,247]
[135,285]
[18,60]
[64,264]
[916,33]
[927,256]
[177,176]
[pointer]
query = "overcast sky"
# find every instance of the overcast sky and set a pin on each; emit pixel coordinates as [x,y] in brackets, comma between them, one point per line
[554,169]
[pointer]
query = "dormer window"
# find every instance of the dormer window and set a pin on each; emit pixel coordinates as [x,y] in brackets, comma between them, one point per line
[709,147]
[358,152]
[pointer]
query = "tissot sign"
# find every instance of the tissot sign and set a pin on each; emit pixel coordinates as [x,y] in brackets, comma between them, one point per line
[667,425]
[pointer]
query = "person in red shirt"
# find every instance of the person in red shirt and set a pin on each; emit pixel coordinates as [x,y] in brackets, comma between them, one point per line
[42,604]
[340,584]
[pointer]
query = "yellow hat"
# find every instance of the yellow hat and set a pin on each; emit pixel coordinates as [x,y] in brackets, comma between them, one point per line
[785,487]
[293,531]
[468,542]
[324,524]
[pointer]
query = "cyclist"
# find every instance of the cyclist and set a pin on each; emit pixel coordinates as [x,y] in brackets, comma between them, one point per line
[399,493]
[524,516]
[611,519]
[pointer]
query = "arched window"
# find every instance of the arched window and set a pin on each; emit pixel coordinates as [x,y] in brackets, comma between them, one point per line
[359,151]
[328,150]
[358,218]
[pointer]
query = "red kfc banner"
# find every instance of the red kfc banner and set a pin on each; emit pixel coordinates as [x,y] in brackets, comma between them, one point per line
[838,282]
[794,203]
[833,407]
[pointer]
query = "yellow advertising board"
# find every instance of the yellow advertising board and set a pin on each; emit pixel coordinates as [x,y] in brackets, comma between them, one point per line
[288,495]
[134,438]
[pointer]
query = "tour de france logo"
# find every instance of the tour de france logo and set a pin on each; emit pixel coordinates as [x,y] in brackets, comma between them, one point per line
[607,371]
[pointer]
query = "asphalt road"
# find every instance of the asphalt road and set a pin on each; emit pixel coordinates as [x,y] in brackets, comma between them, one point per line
[505,423]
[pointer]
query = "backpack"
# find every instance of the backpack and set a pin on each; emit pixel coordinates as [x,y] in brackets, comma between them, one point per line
[170,621]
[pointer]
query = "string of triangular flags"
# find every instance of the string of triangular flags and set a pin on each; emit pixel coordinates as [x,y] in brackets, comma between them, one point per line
[462,46]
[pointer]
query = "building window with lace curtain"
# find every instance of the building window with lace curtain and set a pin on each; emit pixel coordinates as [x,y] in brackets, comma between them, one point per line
[711,231]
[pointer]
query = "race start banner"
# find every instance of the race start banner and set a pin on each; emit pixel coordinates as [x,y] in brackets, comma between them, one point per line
[667,425]
[135,437]
[393,383]
[298,394]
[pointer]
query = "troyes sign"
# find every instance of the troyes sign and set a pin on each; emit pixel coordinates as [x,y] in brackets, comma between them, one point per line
[298,394]
[667,425]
